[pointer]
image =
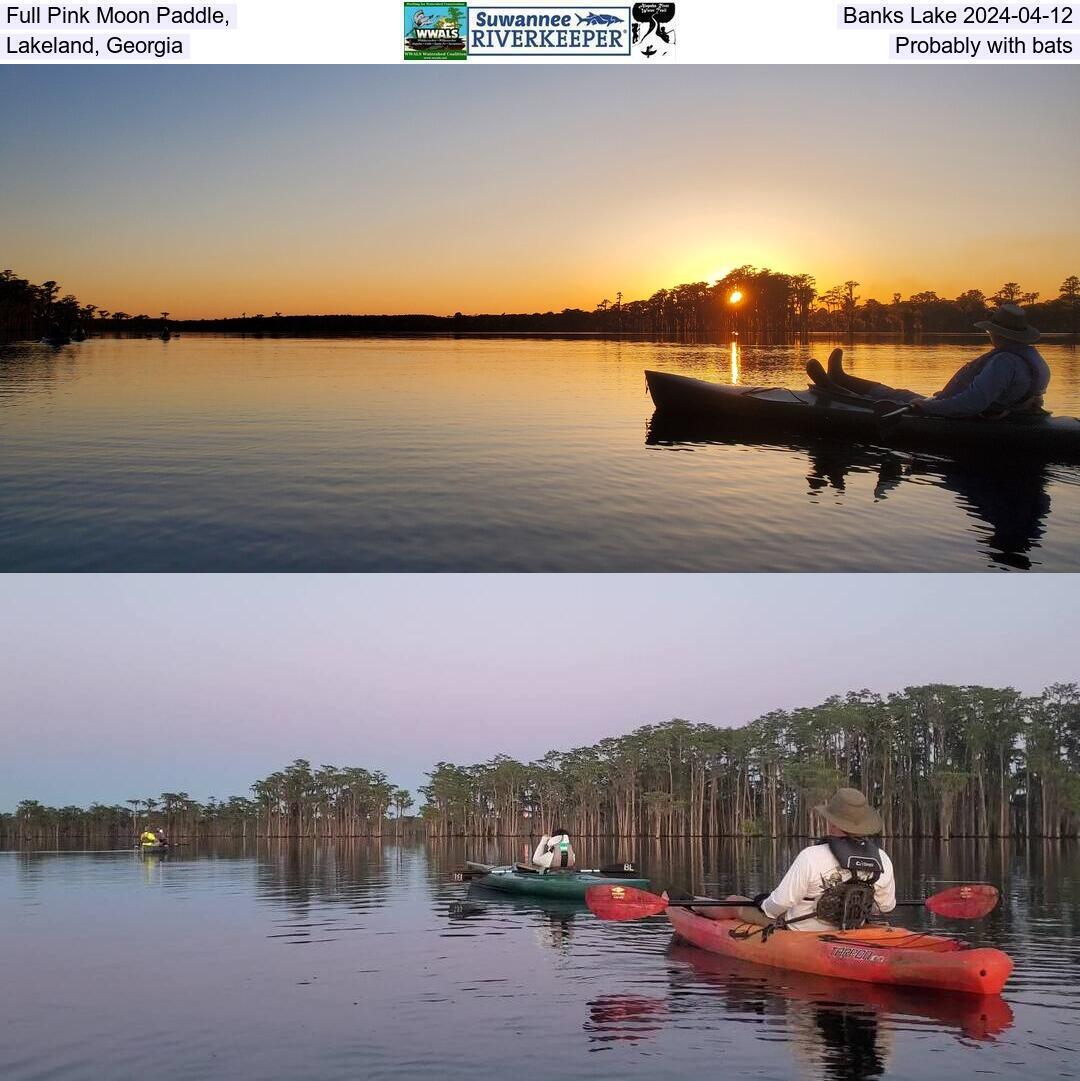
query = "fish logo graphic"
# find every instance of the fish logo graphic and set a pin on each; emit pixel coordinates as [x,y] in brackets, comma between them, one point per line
[598,20]
[526,29]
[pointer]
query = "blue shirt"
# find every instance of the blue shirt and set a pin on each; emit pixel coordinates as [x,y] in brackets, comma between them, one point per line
[999,379]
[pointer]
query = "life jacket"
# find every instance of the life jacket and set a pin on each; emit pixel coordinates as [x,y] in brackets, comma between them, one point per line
[848,905]
[1032,403]
[562,854]
[147,838]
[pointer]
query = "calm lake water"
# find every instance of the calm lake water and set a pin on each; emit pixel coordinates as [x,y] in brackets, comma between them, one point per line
[225,454]
[365,960]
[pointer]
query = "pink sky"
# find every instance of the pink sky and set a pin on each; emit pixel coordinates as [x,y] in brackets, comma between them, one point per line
[121,686]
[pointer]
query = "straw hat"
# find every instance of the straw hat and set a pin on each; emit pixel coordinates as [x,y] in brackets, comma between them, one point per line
[847,809]
[1009,321]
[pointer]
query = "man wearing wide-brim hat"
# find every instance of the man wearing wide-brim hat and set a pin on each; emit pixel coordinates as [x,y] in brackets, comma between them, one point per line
[823,873]
[1011,378]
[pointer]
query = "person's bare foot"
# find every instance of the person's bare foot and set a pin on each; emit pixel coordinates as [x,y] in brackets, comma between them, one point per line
[836,364]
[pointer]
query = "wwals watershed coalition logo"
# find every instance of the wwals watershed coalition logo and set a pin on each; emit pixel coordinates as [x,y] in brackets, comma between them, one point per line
[435,31]
[454,31]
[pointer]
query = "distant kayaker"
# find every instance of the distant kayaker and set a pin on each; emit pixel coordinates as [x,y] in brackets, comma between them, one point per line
[159,836]
[147,837]
[1011,378]
[837,883]
[554,852]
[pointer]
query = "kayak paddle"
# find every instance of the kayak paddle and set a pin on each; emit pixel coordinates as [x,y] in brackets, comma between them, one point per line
[889,414]
[615,870]
[968,902]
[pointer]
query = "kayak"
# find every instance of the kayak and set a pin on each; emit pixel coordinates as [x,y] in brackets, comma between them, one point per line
[563,885]
[761,410]
[874,954]
[978,1017]
[144,849]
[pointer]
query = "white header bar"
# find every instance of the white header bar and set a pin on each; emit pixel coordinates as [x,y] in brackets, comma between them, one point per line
[685,32]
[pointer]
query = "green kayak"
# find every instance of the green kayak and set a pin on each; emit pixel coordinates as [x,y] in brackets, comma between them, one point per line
[156,849]
[565,885]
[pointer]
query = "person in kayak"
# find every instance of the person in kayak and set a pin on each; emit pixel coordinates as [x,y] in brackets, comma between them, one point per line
[1009,379]
[147,837]
[159,836]
[554,852]
[840,882]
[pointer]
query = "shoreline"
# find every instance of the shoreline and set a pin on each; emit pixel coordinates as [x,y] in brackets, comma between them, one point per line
[204,332]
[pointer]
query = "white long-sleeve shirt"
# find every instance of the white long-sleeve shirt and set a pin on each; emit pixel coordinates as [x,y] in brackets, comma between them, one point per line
[816,868]
[548,851]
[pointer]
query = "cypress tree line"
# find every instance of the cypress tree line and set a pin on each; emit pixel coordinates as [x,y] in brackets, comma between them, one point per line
[940,761]
[770,306]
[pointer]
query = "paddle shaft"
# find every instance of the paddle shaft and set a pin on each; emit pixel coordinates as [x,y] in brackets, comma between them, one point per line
[628,903]
[476,872]
[740,904]
[891,417]
[709,904]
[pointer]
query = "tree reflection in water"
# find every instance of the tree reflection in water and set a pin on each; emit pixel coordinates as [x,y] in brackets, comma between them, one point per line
[841,1029]
[838,1030]
[1007,498]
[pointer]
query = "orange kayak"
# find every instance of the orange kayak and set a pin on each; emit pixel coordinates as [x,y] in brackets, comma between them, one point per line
[890,955]
[976,1017]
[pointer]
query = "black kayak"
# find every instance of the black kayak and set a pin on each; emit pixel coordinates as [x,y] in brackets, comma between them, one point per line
[765,410]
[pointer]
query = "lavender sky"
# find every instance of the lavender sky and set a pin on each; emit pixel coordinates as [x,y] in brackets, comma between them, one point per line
[122,686]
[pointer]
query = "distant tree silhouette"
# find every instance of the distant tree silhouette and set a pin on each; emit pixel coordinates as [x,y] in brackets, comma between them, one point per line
[771,306]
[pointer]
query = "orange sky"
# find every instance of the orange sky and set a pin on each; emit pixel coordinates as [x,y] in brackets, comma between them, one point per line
[218,191]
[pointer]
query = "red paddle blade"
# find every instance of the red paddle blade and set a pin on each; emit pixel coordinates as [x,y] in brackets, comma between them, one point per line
[964,902]
[623,902]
